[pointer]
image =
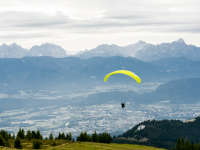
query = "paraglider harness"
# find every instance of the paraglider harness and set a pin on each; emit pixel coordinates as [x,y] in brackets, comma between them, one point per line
[123,105]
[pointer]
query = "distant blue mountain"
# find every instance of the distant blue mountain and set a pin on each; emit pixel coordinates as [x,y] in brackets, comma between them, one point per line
[181,91]
[146,51]
[48,72]
[140,50]
[16,51]
[180,77]
[178,67]
[52,73]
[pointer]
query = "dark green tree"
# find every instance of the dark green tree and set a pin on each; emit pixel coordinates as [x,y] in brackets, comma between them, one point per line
[68,137]
[17,143]
[95,137]
[5,134]
[51,136]
[33,135]
[179,144]
[38,135]
[61,136]
[37,144]
[4,138]
[187,145]
[21,134]
[105,138]
[84,137]
[28,135]
[182,144]
[2,141]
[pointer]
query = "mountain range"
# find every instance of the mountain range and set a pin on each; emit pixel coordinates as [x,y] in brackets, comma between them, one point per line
[179,77]
[140,50]
[16,51]
[49,72]
[53,72]
[146,52]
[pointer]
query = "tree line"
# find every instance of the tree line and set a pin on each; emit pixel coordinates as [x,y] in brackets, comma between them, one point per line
[185,144]
[7,139]
[101,138]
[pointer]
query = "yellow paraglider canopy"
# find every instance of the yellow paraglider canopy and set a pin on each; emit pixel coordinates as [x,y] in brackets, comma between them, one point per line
[126,72]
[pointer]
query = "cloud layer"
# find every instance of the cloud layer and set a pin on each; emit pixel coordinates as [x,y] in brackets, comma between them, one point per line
[71,22]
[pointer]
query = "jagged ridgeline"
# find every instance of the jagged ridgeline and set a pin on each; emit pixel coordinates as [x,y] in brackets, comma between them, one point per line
[163,133]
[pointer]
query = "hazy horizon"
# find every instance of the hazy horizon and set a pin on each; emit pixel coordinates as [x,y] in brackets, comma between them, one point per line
[71,52]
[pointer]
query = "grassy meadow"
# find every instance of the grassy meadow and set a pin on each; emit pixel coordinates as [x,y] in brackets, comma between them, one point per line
[85,146]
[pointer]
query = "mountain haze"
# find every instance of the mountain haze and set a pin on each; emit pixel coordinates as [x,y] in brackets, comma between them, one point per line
[180,78]
[12,51]
[146,52]
[141,50]
[47,50]
[16,51]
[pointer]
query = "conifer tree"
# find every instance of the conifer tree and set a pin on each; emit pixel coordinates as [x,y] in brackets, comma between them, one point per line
[51,136]
[17,143]
[2,141]
[68,137]
[37,144]
[94,137]
[21,134]
[28,135]
[38,135]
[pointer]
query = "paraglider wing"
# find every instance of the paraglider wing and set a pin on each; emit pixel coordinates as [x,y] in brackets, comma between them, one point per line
[125,72]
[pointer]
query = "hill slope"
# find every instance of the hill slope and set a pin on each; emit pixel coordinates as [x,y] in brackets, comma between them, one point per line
[162,133]
[96,146]
[181,91]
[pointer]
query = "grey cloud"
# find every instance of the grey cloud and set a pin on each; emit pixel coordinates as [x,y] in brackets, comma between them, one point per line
[191,29]
[110,20]
[91,22]
[23,35]
[161,20]
[30,19]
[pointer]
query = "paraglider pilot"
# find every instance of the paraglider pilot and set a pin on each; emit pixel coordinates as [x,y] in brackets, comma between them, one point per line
[123,105]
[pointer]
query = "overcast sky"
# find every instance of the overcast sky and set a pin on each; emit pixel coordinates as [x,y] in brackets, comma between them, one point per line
[84,24]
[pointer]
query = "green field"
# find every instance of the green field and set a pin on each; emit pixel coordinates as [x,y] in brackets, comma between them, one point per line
[90,146]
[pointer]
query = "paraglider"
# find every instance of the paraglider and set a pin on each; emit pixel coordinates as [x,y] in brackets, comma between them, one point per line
[125,72]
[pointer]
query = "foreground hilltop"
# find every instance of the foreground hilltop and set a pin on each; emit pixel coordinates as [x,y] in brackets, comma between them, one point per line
[163,133]
[92,146]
